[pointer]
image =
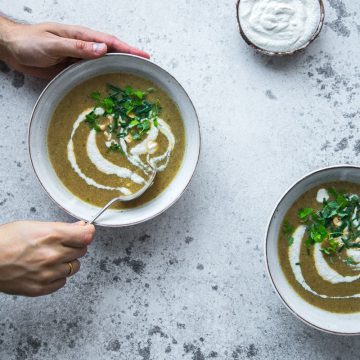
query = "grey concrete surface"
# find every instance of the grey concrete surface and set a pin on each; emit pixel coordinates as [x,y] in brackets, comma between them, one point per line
[190,284]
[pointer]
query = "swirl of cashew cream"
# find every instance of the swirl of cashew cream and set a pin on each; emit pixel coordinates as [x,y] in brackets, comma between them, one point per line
[133,156]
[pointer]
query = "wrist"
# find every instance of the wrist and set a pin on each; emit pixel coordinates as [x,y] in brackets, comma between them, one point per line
[6,29]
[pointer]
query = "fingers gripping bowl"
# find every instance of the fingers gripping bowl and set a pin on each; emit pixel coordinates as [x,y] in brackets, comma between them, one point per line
[81,165]
[309,265]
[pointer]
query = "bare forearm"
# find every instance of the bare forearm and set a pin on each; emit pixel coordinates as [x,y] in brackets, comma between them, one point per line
[5,30]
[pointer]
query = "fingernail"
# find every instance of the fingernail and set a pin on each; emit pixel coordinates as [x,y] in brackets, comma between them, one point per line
[99,47]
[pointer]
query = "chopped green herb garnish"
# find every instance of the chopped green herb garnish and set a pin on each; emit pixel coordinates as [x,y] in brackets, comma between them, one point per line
[135,135]
[95,95]
[108,105]
[133,123]
[332,247]
[129,110]
[116,147]
[288,231]
[92,121]
[303,213]
[336,226]
[350,261]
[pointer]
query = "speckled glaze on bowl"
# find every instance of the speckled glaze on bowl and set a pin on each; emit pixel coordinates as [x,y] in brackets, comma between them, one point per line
[342,324]
[78,73]
[281,53]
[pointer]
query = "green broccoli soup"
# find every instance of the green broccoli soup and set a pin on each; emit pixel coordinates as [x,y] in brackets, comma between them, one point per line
[319,247]
[108,134]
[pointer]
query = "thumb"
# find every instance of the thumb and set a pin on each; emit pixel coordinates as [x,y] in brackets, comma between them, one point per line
[79,49]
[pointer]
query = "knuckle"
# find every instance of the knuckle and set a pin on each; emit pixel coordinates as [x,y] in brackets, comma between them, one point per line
[91,229]
[89,233]
[40,290]
[85,237]
[78,32]
[80,45]
[35,290]
[44,256]
[76,265]
[112,40]
[61,284]
[54,235]
[44,277]
[41,277]
[83,252]
[52,257]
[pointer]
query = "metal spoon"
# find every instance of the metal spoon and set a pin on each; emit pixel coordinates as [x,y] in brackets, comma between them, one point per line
[126,197]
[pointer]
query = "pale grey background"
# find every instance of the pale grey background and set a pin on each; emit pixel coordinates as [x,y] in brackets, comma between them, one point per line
[191,284]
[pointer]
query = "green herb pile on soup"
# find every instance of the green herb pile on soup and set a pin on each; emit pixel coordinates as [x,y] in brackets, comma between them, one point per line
[319,247]
[110,133]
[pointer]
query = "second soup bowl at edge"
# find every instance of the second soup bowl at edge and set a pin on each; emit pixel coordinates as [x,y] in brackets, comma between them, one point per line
[336,323]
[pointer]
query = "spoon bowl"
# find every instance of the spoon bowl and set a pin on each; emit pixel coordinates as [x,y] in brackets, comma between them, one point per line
[126,198]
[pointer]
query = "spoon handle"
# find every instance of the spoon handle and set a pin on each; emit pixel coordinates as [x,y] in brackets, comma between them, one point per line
[111,202]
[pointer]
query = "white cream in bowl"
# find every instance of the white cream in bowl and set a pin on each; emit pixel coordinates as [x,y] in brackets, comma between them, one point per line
[280,26]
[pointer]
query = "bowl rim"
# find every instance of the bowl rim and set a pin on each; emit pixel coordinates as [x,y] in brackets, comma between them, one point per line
[282,53]
[282,197]
[56,78]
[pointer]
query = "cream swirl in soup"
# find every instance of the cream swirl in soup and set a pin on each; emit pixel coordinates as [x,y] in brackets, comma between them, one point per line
[158,163]
[325,271]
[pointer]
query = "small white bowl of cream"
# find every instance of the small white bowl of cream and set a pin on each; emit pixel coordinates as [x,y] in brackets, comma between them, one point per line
[280,27]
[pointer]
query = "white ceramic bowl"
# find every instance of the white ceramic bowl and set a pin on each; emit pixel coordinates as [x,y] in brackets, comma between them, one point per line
[281,53]
[344,324]
[75,75]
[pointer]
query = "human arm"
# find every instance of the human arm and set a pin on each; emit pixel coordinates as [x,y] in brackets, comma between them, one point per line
[43,50]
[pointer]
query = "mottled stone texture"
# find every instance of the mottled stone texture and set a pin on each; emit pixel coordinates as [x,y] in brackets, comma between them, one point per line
[190,284]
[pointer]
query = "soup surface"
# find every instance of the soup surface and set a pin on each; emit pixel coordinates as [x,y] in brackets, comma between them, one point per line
[108,134]
[319,247]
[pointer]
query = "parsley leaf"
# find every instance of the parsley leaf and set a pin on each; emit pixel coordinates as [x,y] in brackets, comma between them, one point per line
[288,231]
[336,225]
[91,120]
[303,213]
[114,147]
